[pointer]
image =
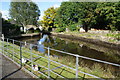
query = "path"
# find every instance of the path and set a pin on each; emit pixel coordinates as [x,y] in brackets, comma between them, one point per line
[9,67]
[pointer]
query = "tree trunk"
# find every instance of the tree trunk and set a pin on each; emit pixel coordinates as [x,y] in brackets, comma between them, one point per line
[24,27]
[86,27]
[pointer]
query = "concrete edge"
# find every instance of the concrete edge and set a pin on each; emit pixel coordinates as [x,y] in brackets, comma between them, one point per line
[23,69]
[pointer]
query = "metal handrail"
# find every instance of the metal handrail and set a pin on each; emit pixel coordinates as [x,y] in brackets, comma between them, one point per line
[49,60]
[101,61]
[92,59]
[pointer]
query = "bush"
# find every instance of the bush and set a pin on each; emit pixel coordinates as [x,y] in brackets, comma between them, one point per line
[113,29]
[60,29]
[72,27]
[30,30]
[37,31]
[115,36]
[9,29]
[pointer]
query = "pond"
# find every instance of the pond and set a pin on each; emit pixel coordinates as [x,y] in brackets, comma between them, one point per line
[80,48]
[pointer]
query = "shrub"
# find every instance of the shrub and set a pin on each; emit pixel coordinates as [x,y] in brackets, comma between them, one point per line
[60,29]
[30,30]
[37,31]
[115,36]
[72,27]
[113,29]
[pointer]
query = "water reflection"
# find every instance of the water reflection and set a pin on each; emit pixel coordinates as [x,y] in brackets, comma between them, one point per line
[45,37]
[76,47]
[41,48]
[41,43]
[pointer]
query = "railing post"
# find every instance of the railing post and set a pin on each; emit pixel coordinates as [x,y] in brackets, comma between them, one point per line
[31,58]
[48,62]
[25,43]
[21,54]
[7,47]
[77,65]
[13,50]
[3,43]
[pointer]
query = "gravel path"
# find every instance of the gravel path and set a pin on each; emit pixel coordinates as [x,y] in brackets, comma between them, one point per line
[9,67]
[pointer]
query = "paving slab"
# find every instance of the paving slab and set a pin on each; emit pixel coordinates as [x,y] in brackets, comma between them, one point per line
[0,66]
[9,67]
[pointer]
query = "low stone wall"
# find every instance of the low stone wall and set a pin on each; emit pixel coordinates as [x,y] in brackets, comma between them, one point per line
[94,41]
[25,35]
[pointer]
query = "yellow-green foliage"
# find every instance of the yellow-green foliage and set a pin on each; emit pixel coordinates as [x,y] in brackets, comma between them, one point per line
[48,18]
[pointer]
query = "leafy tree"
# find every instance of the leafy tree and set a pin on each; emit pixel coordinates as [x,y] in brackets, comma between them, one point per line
[117,12]
[76,12]
[99,15]
[49,17]
[9,29]
[88,9]
[104,13]
[67,14]
[39,22]
[24,13]
[0,14]
[0,23]
[108,16]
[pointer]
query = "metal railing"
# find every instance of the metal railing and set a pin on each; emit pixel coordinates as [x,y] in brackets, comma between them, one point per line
[9,45]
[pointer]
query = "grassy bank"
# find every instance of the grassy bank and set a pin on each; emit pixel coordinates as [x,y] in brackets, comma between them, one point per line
[103,35]
[65,72]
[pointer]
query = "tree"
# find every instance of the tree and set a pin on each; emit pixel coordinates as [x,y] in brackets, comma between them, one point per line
[71,13]
[9,29]
[117,7]
[24,13]
[0,23]
[49,17]
[88,9]
[0,14]
[108,16]
[67,14]
[99,15]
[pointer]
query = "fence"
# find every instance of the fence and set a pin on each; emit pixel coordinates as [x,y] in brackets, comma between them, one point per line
[41,65]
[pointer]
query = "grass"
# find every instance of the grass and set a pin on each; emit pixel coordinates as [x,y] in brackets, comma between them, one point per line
[63,71]
[109,37]
[115,36]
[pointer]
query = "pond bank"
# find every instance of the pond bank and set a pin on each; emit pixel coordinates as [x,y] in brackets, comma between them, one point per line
[25,35]
[74,37]
[94,41]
